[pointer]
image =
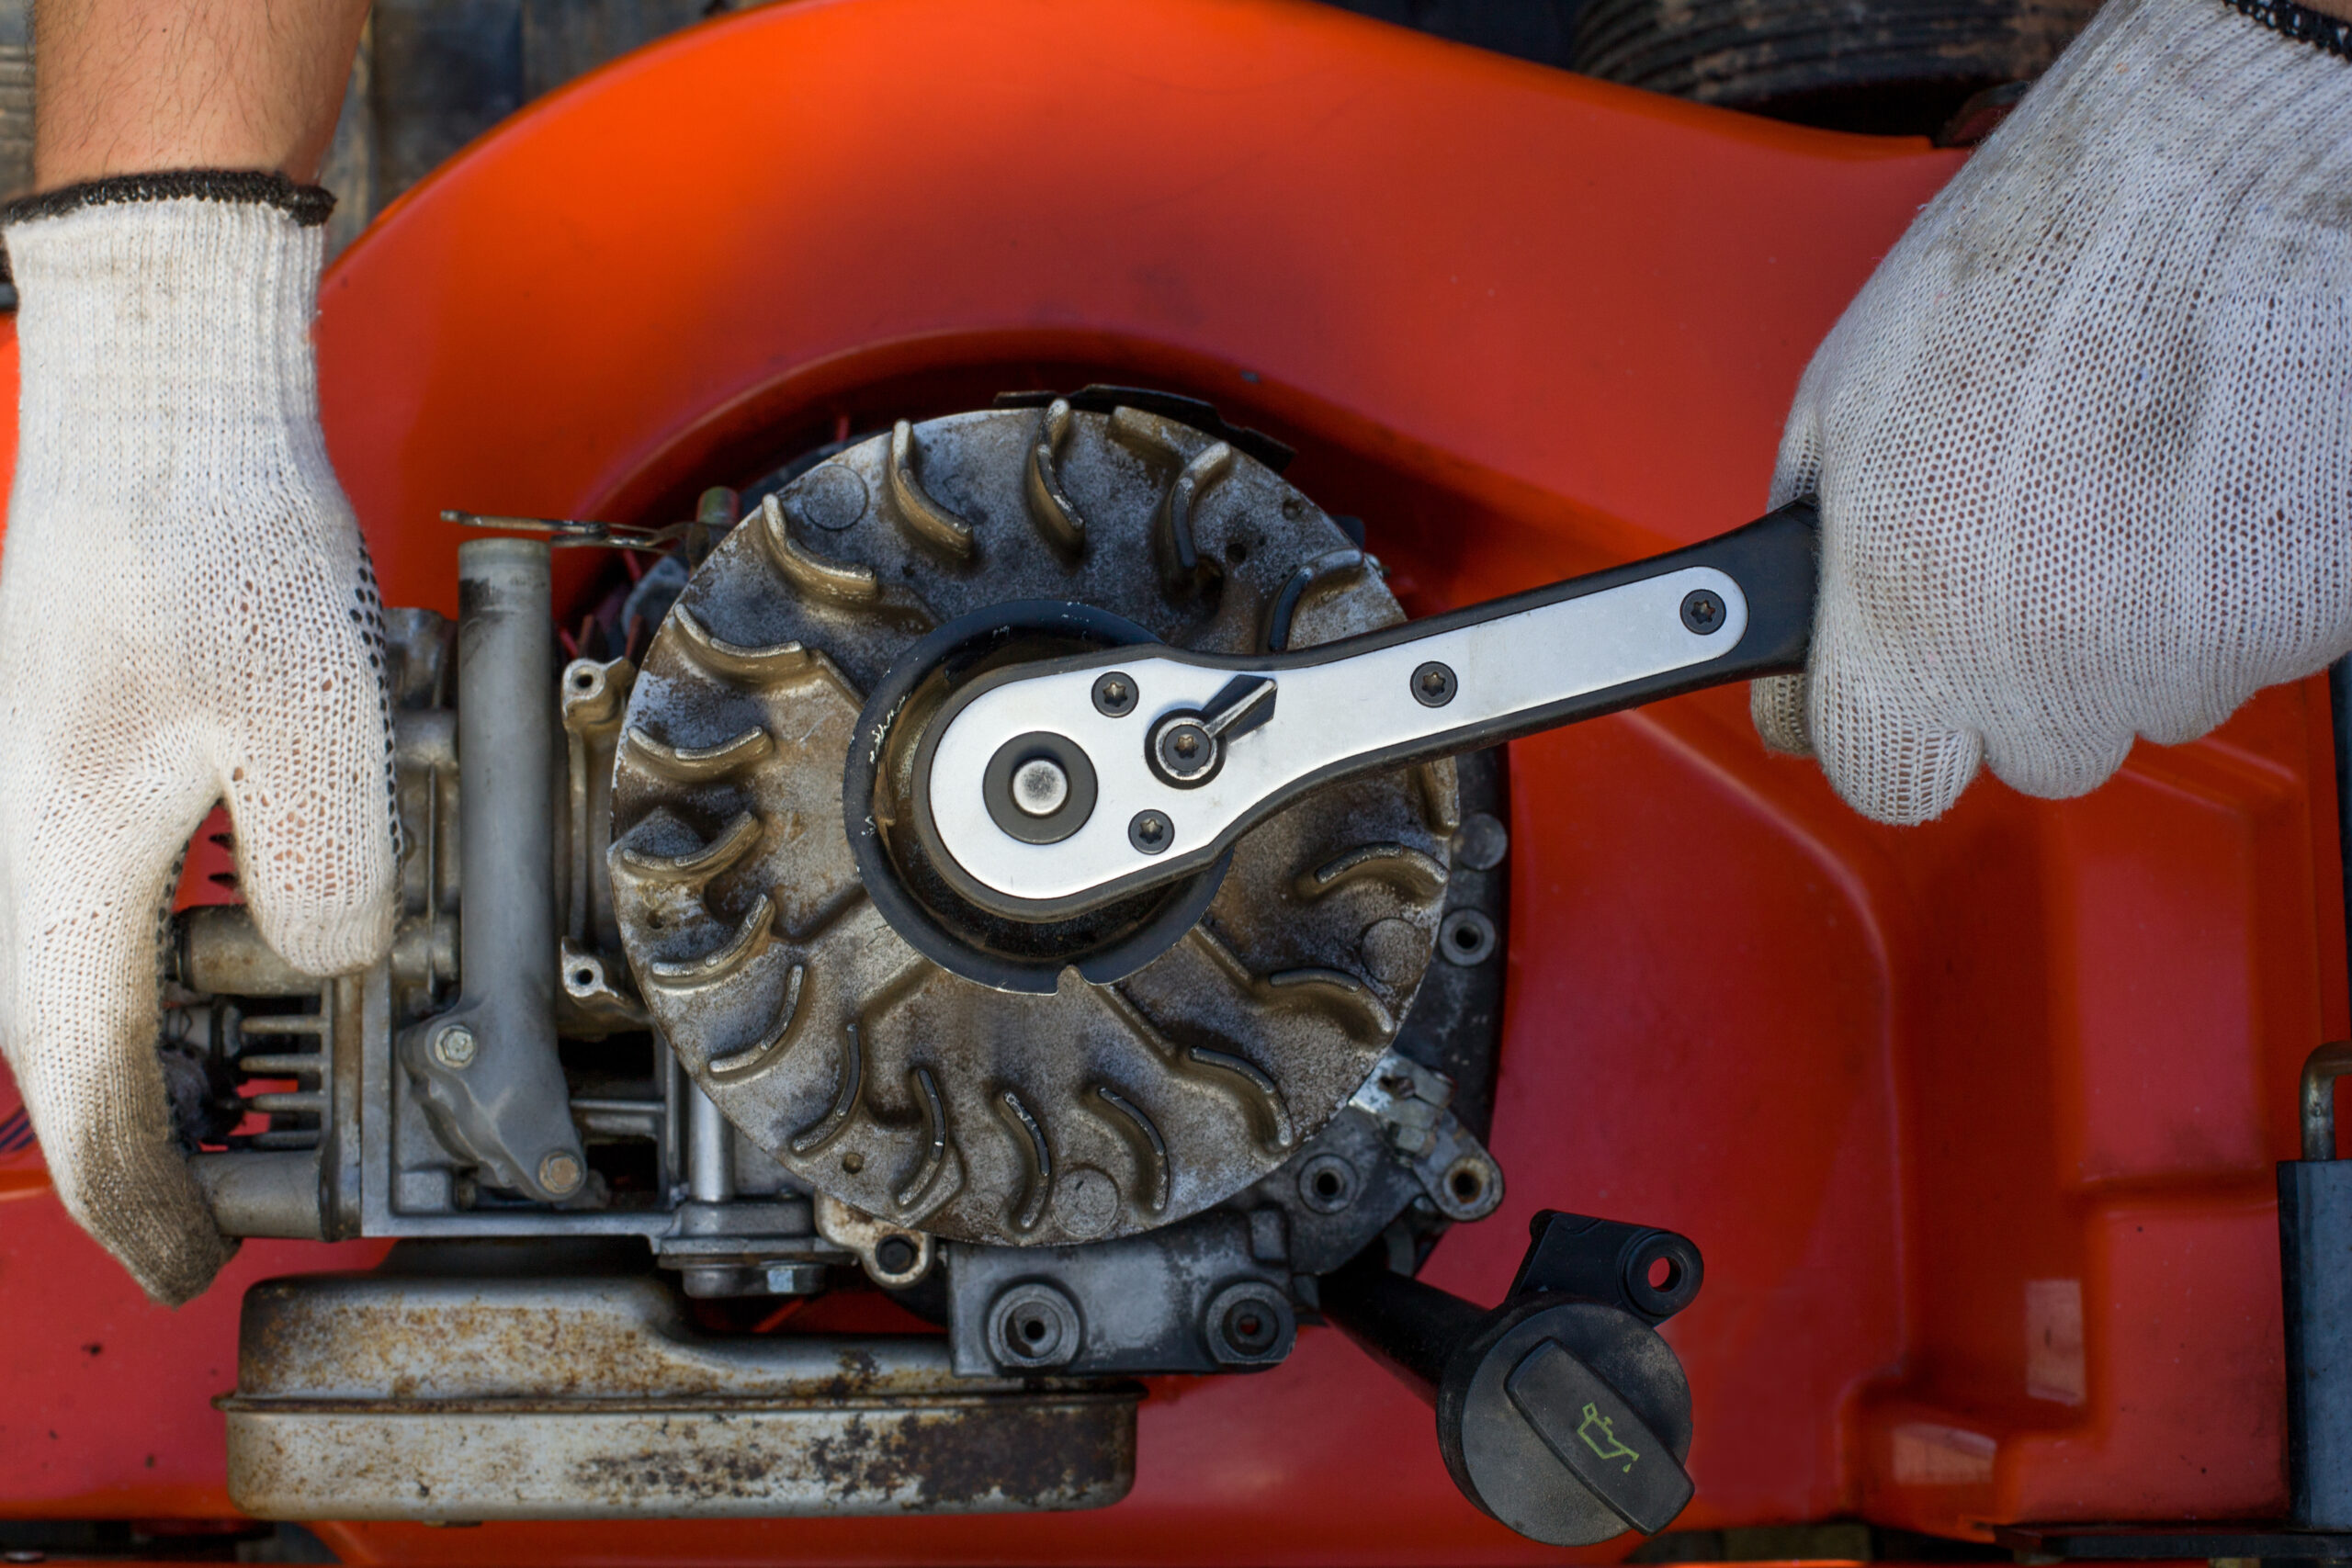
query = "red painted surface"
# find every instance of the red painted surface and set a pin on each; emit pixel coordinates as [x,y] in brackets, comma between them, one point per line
[1973,1120]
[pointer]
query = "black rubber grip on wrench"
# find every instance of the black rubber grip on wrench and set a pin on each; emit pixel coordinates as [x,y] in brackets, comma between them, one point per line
[1775,560]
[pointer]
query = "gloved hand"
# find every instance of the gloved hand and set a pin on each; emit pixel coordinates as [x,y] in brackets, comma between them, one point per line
[2083,442]
[187,615]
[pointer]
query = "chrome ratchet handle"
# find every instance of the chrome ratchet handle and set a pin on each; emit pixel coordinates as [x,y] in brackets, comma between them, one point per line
[1056,787]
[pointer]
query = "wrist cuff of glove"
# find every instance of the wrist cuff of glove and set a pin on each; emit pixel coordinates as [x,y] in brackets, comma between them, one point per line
[2304,25]
[306,205]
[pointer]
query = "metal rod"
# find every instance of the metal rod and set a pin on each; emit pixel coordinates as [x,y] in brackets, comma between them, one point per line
[710,1150]
[2321,1070]
[674,1119]
[281,1067]
[283,1023]
[298,1103]
[506,756]
[2315,1222]
[1407,1326]
[490,1062]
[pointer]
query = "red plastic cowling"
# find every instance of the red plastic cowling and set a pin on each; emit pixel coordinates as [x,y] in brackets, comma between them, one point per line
[1973,1121]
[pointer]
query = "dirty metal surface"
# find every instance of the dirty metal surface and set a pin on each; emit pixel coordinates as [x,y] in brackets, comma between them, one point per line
[385,1396]
[1155,1304]
[877,1073]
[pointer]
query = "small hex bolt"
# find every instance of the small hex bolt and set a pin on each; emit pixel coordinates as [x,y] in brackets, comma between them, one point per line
[1703,611]
[1434,685]
[560,1172]
[455,1047]
[1115,694]
[1151,831]
[894,1255]
[1039,787]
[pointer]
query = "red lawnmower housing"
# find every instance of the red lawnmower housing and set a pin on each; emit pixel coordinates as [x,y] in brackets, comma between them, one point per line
[1975,1122]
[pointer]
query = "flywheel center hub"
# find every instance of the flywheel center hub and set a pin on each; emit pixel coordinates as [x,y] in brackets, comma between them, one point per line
[904,1052]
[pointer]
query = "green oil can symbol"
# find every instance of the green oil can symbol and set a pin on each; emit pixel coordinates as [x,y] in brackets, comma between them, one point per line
[1605,1443]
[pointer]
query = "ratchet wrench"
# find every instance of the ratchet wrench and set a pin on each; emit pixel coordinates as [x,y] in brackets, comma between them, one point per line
[1058,787]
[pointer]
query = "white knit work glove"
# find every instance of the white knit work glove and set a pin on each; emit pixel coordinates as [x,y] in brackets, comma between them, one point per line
[187,617]
[2083,444]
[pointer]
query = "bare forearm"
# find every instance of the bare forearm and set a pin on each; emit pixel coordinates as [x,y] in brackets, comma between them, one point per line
[130,86]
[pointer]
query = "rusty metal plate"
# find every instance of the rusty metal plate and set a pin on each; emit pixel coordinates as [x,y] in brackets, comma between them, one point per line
[879,1074]
[385,1396]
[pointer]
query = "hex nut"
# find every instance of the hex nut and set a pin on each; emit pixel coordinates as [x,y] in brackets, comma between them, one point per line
[1033,1326]
[455,1047]
[1249,1324]
[560,1172]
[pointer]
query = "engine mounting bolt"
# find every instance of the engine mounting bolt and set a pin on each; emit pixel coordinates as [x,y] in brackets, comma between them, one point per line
[1039,786]
[1702,612]
[894,1255]
[1115,694]
[560,1172]
[1151,831]
[1434,685]
[455,1047]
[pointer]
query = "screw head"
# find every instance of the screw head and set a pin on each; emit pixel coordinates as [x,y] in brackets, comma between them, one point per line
[560,1173]
[1185,750]
[1434,685]
[1115,693]
[894,1255]
[1151,832]
[1703,611]
[1039,787]
[455,1047]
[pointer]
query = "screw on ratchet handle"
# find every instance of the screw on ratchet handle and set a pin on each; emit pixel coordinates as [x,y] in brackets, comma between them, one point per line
[1154,759]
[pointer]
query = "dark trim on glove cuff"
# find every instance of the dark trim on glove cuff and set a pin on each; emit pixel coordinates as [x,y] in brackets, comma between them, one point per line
[306,205]
[2290,20]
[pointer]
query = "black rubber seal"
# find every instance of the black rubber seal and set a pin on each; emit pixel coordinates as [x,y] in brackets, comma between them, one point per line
[309,206]
[924,931]
[2290,20]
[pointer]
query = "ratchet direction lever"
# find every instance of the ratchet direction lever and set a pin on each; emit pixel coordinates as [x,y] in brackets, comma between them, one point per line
[1055,787]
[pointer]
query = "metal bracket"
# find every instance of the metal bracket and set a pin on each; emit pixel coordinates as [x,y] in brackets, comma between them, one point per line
[1454,1170]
